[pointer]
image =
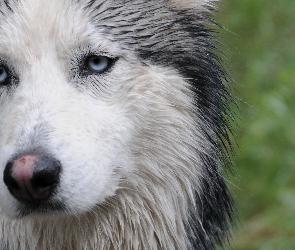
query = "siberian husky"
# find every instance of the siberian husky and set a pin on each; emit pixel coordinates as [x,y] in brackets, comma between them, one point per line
[113,126]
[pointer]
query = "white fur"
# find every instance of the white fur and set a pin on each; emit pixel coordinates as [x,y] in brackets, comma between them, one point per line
[121,148]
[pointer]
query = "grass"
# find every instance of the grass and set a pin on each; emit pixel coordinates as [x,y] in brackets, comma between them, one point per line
[261,38]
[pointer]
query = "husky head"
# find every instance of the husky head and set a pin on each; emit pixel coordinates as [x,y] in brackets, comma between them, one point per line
[116,109]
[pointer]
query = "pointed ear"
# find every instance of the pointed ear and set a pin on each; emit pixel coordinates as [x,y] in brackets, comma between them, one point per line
[189,4]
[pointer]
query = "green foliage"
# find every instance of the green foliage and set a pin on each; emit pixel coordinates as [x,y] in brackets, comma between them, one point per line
[261,38]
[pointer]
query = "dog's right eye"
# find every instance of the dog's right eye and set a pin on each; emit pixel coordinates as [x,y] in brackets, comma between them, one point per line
[3,76]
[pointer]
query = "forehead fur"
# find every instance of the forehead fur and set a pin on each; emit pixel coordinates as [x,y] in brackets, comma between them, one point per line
[33,27]
[189,4]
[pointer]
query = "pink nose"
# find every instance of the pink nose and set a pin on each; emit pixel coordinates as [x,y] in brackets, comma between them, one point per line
[23,167]
[32,178]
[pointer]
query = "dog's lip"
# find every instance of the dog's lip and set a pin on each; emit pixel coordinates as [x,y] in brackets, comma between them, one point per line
[25,209]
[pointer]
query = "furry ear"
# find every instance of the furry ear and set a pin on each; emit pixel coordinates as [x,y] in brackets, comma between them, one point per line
[188,4]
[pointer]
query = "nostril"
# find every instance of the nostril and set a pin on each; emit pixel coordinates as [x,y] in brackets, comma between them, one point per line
[44,178]
[9,181]
[42,182]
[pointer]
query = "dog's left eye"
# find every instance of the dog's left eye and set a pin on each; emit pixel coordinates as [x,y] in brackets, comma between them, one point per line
[98,64]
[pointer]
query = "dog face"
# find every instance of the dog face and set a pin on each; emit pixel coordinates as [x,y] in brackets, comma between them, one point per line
[75,91]
[60,97]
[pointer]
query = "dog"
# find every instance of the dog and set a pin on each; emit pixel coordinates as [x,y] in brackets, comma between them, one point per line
[114,126]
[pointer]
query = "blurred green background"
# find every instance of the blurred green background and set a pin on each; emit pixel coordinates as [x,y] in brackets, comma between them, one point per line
[260,36]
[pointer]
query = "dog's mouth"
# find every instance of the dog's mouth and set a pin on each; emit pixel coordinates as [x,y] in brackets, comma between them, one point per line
[39,207]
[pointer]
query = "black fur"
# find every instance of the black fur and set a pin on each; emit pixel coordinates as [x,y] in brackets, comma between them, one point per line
[211,96]
[191,50]
[8,5]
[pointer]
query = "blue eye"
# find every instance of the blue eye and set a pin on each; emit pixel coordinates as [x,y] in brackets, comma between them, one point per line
[98,64]
[3,75]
